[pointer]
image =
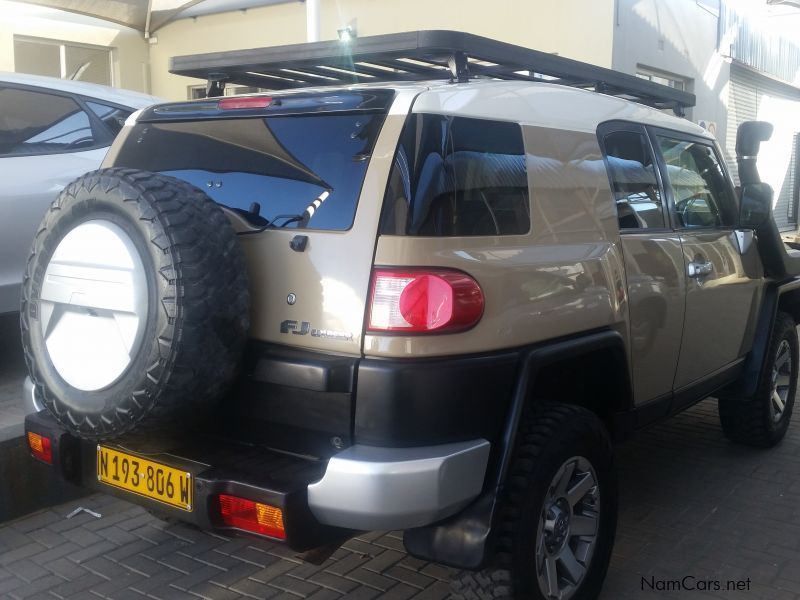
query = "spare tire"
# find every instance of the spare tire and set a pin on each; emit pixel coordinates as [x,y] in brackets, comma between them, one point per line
[135,305]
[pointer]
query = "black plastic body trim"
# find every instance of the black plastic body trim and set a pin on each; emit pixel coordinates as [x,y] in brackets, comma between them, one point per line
[281,365]
[707,386]
[422,402]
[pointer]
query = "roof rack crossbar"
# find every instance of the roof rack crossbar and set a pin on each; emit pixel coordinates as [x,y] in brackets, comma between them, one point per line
[414,56]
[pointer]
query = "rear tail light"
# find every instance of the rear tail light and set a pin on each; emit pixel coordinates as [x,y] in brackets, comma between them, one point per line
[41,447]
[424,300]
[234,103]
[252,516]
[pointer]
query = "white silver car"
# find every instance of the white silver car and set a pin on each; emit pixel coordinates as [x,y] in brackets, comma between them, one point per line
[51,131]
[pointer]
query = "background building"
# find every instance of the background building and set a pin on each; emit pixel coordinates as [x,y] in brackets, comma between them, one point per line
[741,58]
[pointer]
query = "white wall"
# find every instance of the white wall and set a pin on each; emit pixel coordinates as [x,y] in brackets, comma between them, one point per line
[678,36]
[129,48]
[580,29]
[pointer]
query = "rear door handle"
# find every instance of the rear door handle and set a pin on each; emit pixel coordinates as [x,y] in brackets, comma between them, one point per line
[697,269]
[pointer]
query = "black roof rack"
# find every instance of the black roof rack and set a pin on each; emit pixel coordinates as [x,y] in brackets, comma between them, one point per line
[414,56]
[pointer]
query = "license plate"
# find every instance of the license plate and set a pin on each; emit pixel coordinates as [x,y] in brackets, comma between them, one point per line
[145,477]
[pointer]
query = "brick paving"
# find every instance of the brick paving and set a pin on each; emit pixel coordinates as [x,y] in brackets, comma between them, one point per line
[692,505]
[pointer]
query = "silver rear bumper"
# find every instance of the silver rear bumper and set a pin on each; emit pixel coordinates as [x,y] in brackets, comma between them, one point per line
[371,488]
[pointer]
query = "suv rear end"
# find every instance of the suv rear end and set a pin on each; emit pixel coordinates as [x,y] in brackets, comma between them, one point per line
[327,423]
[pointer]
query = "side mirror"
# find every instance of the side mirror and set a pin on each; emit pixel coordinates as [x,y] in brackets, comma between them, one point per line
[755,206]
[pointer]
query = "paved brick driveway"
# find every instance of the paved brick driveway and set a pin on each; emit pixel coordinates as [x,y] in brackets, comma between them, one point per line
[692,504]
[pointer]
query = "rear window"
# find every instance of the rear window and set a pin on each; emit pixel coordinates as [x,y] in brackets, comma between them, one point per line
[457,176]
[112,117]
[269,169]
[41,123]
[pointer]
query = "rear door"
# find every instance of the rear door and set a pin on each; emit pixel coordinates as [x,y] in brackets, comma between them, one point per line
[723,271]
[332,151]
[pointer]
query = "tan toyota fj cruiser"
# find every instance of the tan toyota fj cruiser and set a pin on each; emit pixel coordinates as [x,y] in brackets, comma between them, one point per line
[417,304]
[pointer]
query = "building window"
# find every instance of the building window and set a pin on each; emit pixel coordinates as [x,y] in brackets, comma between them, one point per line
[62,59]
[662,77]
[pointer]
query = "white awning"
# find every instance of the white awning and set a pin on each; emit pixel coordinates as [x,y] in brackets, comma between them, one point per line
[149,15]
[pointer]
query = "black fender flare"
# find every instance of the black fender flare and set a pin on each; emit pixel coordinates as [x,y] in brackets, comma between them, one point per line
[465,540]
[777,295]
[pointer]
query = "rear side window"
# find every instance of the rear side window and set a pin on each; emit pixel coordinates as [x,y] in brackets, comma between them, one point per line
[456,176]
[41,123]
[268,169]
[633,179]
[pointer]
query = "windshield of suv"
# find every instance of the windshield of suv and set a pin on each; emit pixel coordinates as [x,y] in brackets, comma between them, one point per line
[280,163]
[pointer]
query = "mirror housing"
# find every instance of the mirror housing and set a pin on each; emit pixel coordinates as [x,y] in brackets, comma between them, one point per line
[756,205]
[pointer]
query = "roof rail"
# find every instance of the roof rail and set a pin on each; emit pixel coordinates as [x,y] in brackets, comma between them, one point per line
[415,56]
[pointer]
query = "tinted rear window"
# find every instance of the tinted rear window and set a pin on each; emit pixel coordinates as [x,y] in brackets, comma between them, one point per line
[281,163]
[41,123]
[457,176]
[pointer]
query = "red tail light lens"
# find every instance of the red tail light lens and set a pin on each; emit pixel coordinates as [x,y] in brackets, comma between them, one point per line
[234,103]
[41,447]
[424,300]
[252,516]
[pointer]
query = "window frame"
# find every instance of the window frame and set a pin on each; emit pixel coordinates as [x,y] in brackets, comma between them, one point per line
[653,133]
[610,127]
[102,134]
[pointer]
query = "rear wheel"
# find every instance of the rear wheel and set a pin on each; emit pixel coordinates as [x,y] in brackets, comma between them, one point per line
[762,419]
[559,517]
[135,305]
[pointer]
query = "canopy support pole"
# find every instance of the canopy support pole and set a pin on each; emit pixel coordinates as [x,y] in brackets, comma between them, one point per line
[312,20]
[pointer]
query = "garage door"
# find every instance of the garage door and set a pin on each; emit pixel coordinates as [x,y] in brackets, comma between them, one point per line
[748,93]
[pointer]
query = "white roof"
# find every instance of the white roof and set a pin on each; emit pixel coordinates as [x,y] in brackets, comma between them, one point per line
[544,105]
[134,100]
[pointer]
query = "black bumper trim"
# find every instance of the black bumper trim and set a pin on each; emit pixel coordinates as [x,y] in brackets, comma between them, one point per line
[260,475]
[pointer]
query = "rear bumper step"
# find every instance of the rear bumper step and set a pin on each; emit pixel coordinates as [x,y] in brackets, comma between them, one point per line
[322,501]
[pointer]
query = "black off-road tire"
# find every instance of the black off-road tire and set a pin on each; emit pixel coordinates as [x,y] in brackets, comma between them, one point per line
[197,313]
[549,434]
[749,420]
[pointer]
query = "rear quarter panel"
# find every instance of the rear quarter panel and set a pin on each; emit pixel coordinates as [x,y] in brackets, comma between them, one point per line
[565,276]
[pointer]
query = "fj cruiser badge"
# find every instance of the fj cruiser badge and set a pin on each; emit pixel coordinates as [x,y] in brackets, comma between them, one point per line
[304,328]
